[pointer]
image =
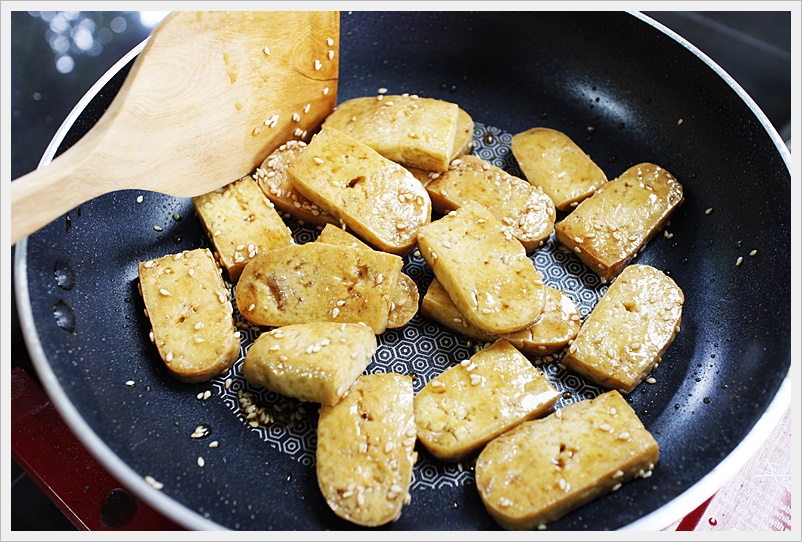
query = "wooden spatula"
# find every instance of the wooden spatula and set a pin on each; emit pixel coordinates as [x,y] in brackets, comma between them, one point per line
[207,99]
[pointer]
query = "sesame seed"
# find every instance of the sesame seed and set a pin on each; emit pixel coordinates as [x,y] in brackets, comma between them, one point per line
[617,486]
[318,65]
[201,462]
[325,90]
[605,427]
[198,340]
[307,107]
[158,228]
[214,444]
[130,383]
[191,272]
[251,307]
[329,42]
[296,117]
[317,160]
[140,199]
[149,264]
[229,381]
[266,51]
[330,54]
[558,414]
[624,435]
[476,380]
[153,482]
[169,357]
[618,474]
[739,261]
[207,394]
[334,312]
[708,210]
[651,380]
[753,253]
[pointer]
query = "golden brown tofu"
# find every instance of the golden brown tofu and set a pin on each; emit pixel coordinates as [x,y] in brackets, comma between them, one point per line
[317,282]
[315,362]
[376,198]
[608,229]
[274,182]
[416,132]
[543,469]
[404,303]
[365,450]
[551,160]
[556,326]
[484,269]
[241,222]
[463,142]
[629,329]
[469,404]
[524,210]
[189,308]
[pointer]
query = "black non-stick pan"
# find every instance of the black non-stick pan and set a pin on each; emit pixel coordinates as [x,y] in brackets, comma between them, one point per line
[627,91]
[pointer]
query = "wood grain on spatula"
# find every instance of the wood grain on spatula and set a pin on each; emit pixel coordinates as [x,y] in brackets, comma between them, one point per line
[207,99]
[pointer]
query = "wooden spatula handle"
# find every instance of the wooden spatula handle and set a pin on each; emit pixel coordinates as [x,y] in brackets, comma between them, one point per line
[44,194]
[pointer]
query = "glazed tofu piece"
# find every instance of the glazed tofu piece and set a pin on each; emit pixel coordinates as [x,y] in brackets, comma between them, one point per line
[484,269]
[551,160]
[413,131]
[608,229]
[376,198]
[365,450]
[556,326]
[463,141]
[189,308]
[469,404]
[524,210]
[317,282]
[274,182]
[628,331]
[543,469]
[314,362]
[241,222]
[404,302]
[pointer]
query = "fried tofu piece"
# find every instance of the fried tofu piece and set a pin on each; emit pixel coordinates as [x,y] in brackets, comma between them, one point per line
[463,141]
[404,303]
[551,160]
[189,308]
[317,282]
[556,326]
[241,222]
[524,210]
[469,404]
[628,331]
[413,131]
[273,180]
[315,362]
[376,198]
[543,469]
[365,450]
[608,229]
[485,270]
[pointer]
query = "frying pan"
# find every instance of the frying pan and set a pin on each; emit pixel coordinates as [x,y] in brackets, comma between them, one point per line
[624,88]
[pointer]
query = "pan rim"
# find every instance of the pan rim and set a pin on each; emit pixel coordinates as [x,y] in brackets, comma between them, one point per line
[658,519]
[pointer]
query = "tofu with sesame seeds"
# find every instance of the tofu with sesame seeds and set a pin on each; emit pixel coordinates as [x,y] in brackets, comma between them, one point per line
[273,180]
[543,469]
[413,131]
[190,311]
[607,230]
[365,450]
[469,404]
[556,326]
[404,303]
[524,210]
[551,160]
[241,222]
[314,362]
[628,330]
[318,282]
[376,198]
[484,269]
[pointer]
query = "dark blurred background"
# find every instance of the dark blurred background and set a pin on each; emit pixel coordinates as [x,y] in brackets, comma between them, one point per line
[56,56]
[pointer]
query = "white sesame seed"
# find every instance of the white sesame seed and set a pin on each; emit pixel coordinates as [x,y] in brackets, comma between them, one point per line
[605,427]
[318,65]
[130,383]
[617,486]
[153,482]
[330,54]
[329,42]
[158,228]
[753,253]
[624,435]
[169,357]
[334,312]
[214,444]
[476,380]
[266,51]
[739,261]
[651,380]
[618,474]
[708,210]
[317,160]
[207,394]
[201,462]
[140,199]
[325,90]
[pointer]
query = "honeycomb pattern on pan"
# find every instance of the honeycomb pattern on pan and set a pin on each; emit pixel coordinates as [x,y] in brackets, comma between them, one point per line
[422,348]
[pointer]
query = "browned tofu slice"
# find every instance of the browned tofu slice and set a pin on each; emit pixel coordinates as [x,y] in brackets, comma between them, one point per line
[556,326]
[315,362]
[463,142]
[376,198]
[484,269]
[317,282]
[551,160]
[404,303]
[608,229]
[413,131]
[241,222]
[469,404]
[274,182]
[543,469]
[365,450]
[524,210]
[189,308]
[628,331]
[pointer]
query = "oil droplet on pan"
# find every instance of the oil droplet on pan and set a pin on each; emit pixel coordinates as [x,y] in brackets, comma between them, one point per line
[118,508]
[65,317]
[65,277]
